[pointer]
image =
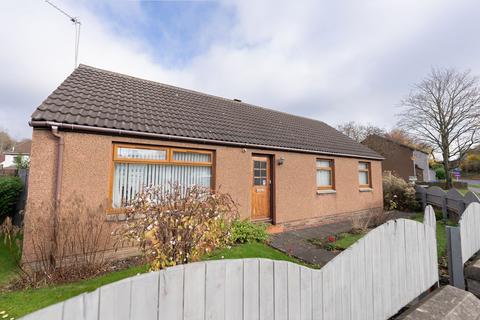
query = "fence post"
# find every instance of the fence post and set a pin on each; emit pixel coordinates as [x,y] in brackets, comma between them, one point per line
[422,194]
[444,208]
[424,200]
[455,262]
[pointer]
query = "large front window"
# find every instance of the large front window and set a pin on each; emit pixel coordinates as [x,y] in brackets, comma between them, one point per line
[136,167]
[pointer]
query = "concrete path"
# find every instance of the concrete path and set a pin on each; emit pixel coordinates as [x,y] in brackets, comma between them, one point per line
[448,303]
[296,244]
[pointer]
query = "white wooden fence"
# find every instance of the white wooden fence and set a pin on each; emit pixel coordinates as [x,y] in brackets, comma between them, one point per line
[463,242]
[373,279]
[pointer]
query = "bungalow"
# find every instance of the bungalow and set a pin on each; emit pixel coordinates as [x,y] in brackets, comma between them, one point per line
[103,135]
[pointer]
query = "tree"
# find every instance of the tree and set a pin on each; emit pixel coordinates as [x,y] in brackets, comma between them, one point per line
[6,142]
[359,132]
[21,162]
[443,110]
[401,136]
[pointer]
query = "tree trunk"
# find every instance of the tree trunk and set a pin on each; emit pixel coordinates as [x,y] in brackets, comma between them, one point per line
[448,177]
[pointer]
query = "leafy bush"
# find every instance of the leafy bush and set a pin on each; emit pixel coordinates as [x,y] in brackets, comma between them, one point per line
[398,194]
[180,225]
[440,173]
[10,188]
[244,231]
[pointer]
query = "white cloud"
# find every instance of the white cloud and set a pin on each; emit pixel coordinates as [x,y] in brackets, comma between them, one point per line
[331,60]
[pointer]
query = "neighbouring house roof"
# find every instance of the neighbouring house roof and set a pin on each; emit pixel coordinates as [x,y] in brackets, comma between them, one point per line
[394,141]
[97,98]
[20,148]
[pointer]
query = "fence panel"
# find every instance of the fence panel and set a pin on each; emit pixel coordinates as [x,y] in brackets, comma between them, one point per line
[373,279]
[435,196]
[470,231]
[452,200]
[455,201]
[471,197]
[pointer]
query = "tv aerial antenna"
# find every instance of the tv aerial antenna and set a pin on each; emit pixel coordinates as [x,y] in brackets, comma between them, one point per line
[77,25]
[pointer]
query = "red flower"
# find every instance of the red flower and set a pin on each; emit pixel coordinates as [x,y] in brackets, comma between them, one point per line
[331,239]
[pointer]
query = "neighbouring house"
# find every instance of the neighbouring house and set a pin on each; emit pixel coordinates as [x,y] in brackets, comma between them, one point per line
[7,158]
[103,135]
[402,160]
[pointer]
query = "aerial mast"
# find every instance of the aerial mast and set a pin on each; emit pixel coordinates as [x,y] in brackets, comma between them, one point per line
[76,23]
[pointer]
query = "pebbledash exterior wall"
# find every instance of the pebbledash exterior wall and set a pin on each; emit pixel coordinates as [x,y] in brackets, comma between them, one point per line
[87,163]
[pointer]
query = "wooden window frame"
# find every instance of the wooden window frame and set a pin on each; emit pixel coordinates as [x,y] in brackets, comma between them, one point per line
[179,162]
[368,170]
[168,160]
[133,160]
[331,169]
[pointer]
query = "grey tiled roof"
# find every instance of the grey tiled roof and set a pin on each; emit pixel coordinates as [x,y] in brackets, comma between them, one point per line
[99,98]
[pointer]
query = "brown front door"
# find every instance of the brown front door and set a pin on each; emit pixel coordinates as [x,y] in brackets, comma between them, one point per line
[261,183]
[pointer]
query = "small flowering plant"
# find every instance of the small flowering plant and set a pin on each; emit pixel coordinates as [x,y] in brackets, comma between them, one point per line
[330,243]
[175,224]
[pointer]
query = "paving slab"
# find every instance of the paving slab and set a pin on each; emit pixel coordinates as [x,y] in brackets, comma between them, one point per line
[447,303]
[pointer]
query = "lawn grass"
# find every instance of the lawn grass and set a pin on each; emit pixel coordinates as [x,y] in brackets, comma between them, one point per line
[345,240]
[20,303]
[463,191]
[474,185]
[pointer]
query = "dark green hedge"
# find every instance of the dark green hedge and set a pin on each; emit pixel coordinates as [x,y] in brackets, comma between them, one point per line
[10,188]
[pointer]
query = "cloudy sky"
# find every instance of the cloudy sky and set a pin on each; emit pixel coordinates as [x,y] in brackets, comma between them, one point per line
[330,60]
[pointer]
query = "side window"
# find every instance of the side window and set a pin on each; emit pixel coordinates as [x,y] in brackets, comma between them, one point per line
[325,174]
[364,174]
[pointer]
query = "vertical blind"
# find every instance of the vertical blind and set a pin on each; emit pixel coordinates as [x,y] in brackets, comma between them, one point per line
[130,178]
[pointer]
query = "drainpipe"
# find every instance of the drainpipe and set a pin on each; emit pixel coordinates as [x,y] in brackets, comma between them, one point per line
[58,180]
[58,188]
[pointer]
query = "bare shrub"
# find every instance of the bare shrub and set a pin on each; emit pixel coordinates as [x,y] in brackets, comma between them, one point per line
[377,218]
[180,225]
[69,246]
[11,237]
[373,219]
[359,223]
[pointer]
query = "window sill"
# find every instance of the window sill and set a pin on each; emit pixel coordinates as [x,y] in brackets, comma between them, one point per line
[326,191]
[365,189]
[115,217]
[118,216]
